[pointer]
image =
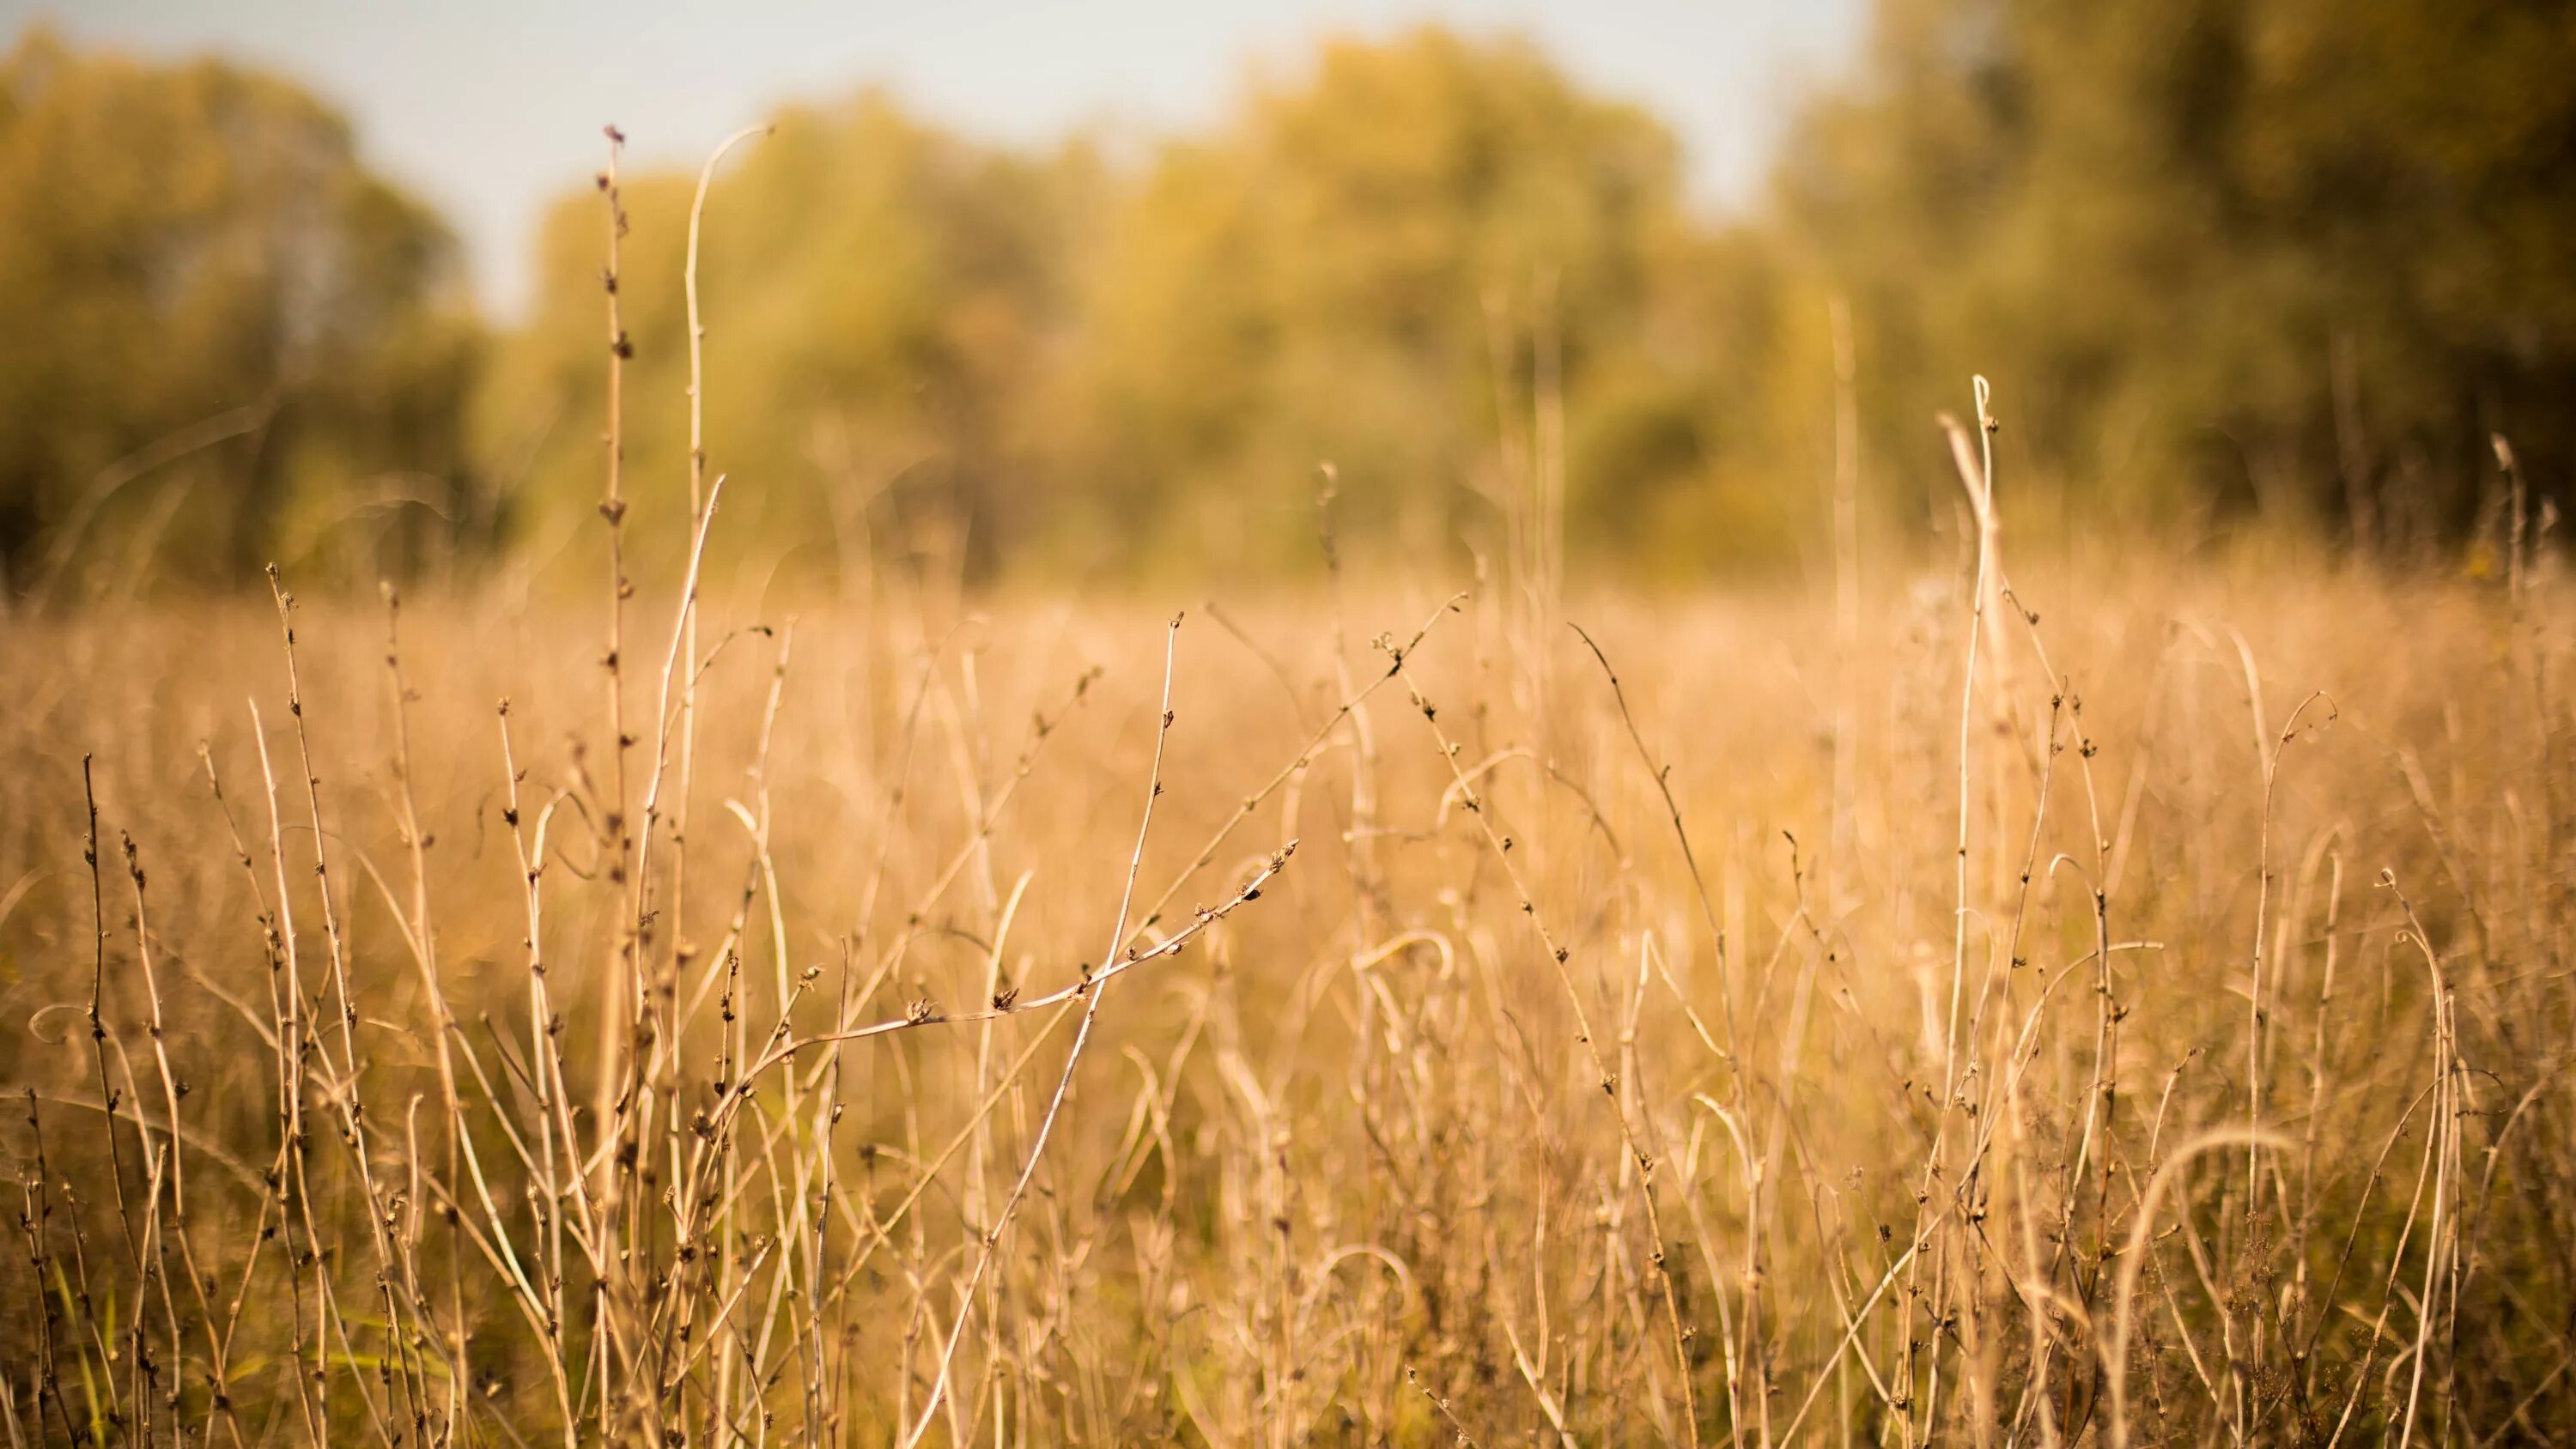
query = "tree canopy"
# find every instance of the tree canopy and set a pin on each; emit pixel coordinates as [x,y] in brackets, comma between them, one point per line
[2286,254]
[224,328]
[878,299]
[1370,264]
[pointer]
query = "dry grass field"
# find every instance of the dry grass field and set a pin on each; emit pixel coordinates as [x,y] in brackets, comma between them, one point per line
[1482,950]
[1346,1016]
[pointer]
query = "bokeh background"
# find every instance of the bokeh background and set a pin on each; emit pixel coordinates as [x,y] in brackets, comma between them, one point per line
[1092,297]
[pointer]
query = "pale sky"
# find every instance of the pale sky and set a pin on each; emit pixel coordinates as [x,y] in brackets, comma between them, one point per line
[487,108]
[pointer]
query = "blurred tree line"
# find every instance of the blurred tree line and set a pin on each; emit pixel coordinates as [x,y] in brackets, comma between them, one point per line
[2282,258]
[2286,255]
[226,339]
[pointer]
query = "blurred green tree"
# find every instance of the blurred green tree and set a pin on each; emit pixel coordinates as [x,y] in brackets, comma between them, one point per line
[2289,255]
[1403,260]
[230,342]
[878,300]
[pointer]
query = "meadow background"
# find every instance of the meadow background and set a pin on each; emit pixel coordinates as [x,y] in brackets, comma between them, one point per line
[1353,777]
